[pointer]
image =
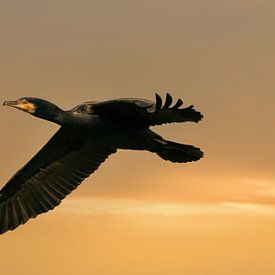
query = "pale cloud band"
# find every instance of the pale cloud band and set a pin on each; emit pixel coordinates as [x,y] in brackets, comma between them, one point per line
[97,206]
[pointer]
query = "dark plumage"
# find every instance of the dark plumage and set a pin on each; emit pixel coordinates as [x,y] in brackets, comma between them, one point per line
[89,133]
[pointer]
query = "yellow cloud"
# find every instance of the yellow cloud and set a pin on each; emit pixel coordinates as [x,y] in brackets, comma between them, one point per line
[96,206]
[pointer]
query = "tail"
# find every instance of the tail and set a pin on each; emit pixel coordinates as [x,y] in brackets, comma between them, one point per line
[176,152]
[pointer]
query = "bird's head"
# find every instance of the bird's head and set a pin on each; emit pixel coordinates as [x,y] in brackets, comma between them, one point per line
[36,106]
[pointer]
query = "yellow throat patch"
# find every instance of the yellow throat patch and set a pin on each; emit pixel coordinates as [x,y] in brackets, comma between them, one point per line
[27,107]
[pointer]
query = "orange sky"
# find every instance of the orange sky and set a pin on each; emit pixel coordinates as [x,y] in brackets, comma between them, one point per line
[143,215]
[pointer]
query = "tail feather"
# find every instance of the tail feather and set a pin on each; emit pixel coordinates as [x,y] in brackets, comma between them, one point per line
[176,152]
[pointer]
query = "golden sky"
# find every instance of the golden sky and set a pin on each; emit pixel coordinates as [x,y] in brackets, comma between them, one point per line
[139,214]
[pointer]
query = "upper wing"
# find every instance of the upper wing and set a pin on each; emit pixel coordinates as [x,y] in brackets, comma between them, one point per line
[130,112]
[145,113]
[167,114]
[57,169]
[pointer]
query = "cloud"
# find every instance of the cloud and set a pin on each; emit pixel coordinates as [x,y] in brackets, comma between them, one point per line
[97,206]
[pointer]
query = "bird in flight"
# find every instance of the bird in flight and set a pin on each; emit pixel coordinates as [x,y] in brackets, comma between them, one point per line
[89,133]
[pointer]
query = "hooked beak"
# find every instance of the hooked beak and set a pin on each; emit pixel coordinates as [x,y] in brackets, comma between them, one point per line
[23,105]
[11,103]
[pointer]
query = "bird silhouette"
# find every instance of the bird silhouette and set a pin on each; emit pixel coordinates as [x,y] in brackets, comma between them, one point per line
[89,133]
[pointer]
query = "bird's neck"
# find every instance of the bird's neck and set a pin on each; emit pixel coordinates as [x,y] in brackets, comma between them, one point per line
[53,114]
[68,118]
[59,116]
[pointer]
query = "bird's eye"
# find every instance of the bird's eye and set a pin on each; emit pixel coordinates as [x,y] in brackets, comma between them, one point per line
[24,101]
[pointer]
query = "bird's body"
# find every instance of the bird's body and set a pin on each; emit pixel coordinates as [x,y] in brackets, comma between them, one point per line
[89,133]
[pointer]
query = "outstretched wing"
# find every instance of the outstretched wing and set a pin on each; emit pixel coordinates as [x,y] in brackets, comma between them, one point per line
[144,113]
[54,172]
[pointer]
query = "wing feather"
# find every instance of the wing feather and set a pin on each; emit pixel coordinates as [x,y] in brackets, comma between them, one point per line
[54,172]
[133,112]
[166,114]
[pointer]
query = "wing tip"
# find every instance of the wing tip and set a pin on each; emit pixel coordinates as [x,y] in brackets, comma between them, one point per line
[195,116]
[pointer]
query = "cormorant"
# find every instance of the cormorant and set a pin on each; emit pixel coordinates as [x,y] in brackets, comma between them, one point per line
[89,133]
